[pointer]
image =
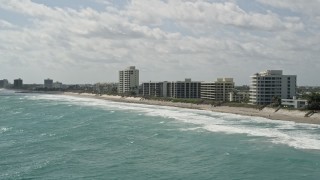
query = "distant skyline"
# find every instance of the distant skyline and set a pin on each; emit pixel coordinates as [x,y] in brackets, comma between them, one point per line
[89,41]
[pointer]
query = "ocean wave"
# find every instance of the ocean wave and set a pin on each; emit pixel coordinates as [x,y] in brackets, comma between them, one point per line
[4,129]
[297,135]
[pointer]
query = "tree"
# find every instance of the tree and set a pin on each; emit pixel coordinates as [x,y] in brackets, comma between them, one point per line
[313,101]
[276,101]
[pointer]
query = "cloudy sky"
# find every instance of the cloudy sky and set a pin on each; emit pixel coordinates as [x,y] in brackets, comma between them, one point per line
[87,41]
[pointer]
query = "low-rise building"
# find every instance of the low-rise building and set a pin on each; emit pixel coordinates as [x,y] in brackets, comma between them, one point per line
[238,96]
[295,103]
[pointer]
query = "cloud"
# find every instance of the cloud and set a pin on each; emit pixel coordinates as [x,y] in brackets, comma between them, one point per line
[310,7]
[5,24]
[207,14]
[165,39]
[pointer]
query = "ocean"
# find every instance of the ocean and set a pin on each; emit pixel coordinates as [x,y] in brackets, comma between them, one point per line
[64,137]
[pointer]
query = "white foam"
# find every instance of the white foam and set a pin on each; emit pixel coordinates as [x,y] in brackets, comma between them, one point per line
[297,135]
[4,129]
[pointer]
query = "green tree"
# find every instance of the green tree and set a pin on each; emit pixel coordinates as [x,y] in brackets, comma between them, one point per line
[276,101]
[313,101]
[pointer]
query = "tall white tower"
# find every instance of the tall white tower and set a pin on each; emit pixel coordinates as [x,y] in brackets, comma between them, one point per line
[129,80]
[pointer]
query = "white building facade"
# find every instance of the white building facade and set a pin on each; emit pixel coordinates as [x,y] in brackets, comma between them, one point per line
[267,85]
[129,80]
[218,90]
[294,103]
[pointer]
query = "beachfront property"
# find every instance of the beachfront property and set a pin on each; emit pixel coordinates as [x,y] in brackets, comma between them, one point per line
[184,89]
[4,83]
[174,89]
[238,96]
[58,85]
[129,80]
[218,90]
[269,84]
[48,83]
[294,103]
[155,89]
[17,83]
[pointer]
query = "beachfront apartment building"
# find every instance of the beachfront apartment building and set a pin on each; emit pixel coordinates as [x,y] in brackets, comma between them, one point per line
[175,89]
[184,89]
[17,83]
[218,90]
[129,80]
[48,83]
[267,85]
[155,89]
[4,83]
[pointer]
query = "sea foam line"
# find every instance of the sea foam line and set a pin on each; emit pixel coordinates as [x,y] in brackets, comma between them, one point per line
[297,135]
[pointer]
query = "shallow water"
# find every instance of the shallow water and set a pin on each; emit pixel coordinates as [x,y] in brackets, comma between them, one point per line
[65,137]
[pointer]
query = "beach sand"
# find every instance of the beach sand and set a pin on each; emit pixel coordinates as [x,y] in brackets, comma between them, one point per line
[282,114]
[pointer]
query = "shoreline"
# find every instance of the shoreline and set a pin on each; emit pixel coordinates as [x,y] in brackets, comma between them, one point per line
[269,113]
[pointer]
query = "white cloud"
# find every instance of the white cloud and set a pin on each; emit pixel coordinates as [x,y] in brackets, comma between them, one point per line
[5,24]
[310,7]
[167,40]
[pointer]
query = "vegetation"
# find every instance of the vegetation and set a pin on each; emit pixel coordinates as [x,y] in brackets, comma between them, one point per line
[276,101]
[313,101]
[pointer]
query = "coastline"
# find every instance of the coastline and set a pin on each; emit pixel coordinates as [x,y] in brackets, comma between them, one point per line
[269,113]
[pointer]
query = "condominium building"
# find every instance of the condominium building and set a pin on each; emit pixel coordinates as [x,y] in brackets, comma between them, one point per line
[129,80]
[218,90]
[48,83]
[4,83]
[184,89]
[156,89]
[175,89]
[17,83]
[267,85]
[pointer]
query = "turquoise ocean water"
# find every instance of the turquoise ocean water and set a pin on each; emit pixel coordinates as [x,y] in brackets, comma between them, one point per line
[64,137]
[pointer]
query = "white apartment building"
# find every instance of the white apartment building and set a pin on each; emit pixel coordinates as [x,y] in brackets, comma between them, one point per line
[218,90]
[129,80]
[269,84]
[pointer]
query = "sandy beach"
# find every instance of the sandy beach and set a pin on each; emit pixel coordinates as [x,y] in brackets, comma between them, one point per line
[282,114]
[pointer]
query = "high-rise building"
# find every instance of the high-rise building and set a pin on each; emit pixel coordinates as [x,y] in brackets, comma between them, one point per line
[18,83]
[218,90]
[48,83]
[4,83]
[129,80]
[269,84]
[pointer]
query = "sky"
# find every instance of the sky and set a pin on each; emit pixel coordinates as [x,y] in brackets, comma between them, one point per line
[89,41]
